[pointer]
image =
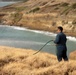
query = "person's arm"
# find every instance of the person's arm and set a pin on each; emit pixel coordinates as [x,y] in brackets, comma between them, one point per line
[57,39]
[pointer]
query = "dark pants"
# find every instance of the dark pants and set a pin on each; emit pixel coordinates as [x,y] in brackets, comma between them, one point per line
[62,53]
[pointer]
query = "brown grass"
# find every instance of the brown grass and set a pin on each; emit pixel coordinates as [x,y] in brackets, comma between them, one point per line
[14,61]
[73,55]
[37,21]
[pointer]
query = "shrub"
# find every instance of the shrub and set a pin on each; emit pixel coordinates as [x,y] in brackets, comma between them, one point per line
[34,10]
[64,4]
[56,8]
[53,23]
[16,17]
[64,22]
[74,21]
[0,21]
[25,0]
[74,6]
[20,8]
[65,11]
[44,3]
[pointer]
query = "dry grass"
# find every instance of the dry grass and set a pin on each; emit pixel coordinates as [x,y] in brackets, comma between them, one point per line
[38,21]
[73,55]
[14,61]
[45,22]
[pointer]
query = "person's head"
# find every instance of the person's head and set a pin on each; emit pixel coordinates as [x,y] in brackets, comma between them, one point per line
[60,29]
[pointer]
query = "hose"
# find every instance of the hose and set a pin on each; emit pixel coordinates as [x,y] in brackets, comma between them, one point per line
[42,47]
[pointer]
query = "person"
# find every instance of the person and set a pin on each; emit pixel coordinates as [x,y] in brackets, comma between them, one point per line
[60,42]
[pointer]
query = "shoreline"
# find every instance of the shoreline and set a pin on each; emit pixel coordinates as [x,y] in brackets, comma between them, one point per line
[36,22]
[53,31]
[21,14]
[46,29]
[71,38]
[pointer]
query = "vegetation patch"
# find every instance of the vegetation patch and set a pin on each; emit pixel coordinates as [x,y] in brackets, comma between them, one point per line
[65,11]
[56,8]
[20,8]
[16,17]
[74,6]
[74,21]
[68,8]
[15,61]
[64,4]
[34,10]
[44,3]
[25,0]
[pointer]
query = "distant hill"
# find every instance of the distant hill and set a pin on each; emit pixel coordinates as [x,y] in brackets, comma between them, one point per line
[44,6]
[46,13]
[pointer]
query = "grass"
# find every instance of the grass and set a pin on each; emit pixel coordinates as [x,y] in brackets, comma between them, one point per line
[74,6]
[73,55]
[16,17]
[25,0]
[66,10]
[64,4]
[14,61]
[20,8]
[34,10]
[74,22]
[37,21]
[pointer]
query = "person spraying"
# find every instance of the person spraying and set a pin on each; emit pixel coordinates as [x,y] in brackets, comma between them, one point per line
[60,43]
[61,47]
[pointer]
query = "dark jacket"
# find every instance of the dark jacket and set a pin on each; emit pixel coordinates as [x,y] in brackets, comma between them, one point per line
[61,41]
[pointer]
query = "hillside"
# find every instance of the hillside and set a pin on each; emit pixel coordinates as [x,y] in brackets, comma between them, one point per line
[45,6]
[14,61]
[41,15]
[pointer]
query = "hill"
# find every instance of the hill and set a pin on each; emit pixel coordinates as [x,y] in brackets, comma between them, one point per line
[42,15]
[14,61]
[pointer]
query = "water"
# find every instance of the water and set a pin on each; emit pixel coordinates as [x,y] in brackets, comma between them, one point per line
[31,39]
[5,3]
